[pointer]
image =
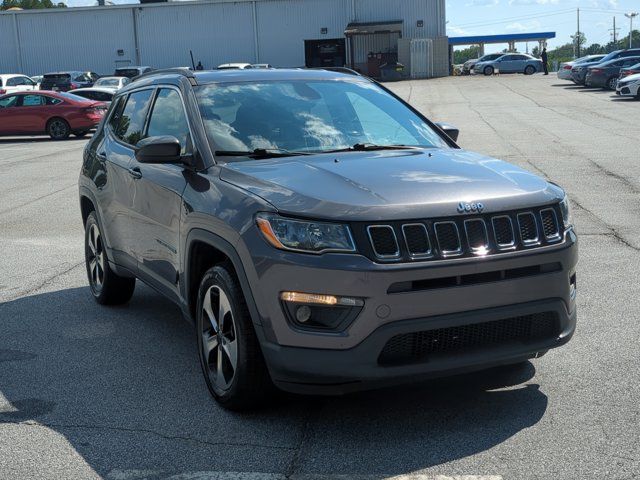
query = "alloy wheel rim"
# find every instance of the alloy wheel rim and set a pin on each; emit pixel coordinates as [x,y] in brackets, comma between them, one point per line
[219,339]
[57,128]
[95,257]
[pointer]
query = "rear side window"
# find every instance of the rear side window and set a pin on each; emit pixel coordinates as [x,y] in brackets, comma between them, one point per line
[16,81]
[168,117]
[32,100]
[131,122]
[53,101]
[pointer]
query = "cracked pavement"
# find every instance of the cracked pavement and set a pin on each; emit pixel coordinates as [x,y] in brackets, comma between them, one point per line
[116,393]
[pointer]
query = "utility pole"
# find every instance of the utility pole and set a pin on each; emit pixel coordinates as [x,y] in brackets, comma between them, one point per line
[614,33]
[578,35]
[631,16]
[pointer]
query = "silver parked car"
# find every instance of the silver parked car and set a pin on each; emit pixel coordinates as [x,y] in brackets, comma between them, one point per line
[114,83]
[468,66]
[510,63]
[564,71]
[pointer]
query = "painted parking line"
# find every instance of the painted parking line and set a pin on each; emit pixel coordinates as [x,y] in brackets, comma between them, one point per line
[210,475]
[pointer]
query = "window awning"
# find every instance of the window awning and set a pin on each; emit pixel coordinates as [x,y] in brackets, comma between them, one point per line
[373,28]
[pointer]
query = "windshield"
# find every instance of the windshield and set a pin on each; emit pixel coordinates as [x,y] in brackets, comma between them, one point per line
[108,82]
[308,116]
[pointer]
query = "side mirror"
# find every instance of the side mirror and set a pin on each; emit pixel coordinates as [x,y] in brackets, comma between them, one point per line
[164,149]
[451,131]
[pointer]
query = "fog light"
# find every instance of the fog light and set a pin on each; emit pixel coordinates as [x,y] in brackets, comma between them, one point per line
[573,287]
[303,314]
[317,311]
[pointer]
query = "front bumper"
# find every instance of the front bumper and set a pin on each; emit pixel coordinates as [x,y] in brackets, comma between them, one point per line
[341,361]
[317,371]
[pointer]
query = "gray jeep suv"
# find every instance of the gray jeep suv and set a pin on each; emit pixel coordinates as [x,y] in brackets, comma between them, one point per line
[322,235]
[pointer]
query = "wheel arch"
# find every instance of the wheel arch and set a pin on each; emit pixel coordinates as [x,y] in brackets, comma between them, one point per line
[203,251]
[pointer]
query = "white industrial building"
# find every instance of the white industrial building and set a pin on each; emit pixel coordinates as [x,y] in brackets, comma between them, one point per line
[284,33]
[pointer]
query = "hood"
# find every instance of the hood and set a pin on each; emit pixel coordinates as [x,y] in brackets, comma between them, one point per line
[630,78]
[389,185]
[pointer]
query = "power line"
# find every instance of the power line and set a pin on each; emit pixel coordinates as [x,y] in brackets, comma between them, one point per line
[512,19]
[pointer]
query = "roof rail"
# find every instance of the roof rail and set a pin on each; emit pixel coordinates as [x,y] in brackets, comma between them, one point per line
[185,71]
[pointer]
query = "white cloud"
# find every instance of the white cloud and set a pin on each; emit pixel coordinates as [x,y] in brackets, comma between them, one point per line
[523,27]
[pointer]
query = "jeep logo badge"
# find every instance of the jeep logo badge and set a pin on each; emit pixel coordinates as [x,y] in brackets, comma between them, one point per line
[470,207]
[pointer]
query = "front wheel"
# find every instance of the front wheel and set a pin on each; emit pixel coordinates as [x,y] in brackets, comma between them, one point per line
[106,286]
[58,129]
[488,71]
[612,83]
[530,70]
[229,351]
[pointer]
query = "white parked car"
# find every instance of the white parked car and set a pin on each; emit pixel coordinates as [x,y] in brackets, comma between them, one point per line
[234,66]
[629,86]
[114,83]
[11,83]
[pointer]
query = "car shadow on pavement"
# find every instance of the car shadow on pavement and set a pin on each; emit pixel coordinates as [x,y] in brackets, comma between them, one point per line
[42,139]
[123,387]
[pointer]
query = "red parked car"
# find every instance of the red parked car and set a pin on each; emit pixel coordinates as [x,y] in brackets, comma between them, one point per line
[57,114]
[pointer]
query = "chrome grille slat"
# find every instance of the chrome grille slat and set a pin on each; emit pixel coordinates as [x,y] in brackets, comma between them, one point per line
[448,238]
[503,231]
[528,228]
[416,238]
[383,240]
[477,235]
[550,225]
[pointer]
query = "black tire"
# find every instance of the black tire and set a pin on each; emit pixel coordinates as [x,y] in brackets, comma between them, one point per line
[488,71]
[530,70]
[247,385]
[58,129]
[81,133]
[612,83]
[106,286]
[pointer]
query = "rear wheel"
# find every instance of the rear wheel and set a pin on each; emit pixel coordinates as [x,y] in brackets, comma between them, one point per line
[229,351]
[58,129]
[612,83]
[488,71]
[530,70]
[107,287]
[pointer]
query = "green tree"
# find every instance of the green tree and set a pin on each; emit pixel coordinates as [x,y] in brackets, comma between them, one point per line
[30,4]
[461,56]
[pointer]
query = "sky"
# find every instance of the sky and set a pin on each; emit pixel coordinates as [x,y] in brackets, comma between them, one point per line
[496,17]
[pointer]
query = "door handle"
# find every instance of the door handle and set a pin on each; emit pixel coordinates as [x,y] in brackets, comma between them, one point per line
[101,156]
[135,173]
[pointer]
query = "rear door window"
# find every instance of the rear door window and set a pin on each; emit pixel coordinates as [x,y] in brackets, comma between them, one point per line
[52,101]
[168,117]
[131,122]
[32,100]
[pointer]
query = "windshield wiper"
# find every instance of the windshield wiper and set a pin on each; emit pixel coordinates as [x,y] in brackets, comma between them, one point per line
[260,153]
[371,147]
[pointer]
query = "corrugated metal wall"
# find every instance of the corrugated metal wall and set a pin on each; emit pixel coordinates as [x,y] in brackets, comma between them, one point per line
[283,25]
[8,59]
[77,39]
[218,31]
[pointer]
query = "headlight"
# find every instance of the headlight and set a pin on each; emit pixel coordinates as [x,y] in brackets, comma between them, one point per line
[567,217]
[305,236]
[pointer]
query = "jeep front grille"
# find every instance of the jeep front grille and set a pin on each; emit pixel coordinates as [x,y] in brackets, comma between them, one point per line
[460,236]
[420,347]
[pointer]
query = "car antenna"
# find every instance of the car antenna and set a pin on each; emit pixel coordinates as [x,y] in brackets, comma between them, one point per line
[192,62]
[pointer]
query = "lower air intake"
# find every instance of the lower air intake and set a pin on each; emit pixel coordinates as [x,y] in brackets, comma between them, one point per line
[419,347]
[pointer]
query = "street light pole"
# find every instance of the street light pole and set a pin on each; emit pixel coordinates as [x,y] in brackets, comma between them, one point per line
[631,16]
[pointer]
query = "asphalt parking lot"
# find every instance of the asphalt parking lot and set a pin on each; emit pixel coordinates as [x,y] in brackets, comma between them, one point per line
[117,393]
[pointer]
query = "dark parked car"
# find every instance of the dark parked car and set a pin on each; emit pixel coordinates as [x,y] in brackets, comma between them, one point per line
[628,71]
[605,75]
[131,72]
[65,81]
[100,94]
[579,71]
[56,114]
[322,234]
